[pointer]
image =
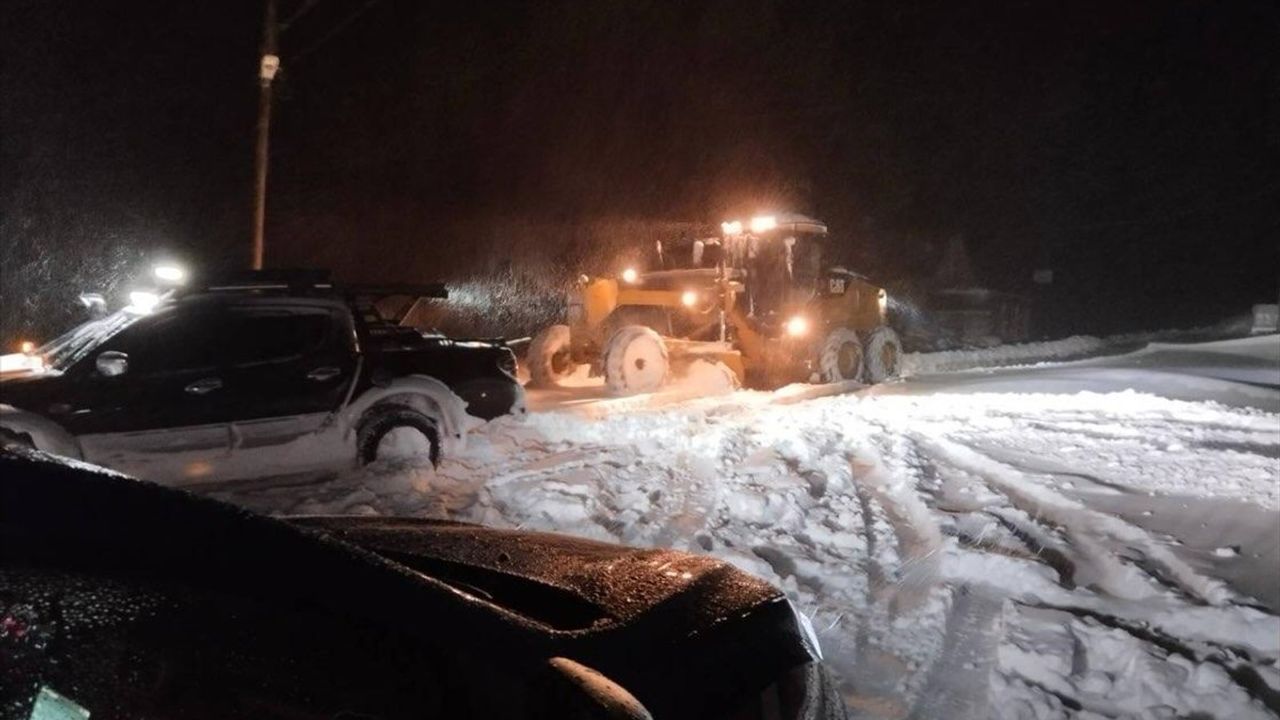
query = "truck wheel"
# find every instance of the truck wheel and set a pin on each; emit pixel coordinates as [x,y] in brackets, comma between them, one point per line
[884,354]
[396,431]
[635,361]
[550,361]
[841,357]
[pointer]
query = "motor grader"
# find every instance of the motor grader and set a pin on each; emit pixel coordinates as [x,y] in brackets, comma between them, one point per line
[754,301]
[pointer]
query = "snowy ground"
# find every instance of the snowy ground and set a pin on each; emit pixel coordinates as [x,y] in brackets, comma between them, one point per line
[1090,539]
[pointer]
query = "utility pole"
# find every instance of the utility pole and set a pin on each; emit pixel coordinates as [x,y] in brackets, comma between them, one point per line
[269,65]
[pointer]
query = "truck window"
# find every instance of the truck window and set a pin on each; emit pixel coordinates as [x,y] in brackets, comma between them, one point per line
[263,335]
[173,341]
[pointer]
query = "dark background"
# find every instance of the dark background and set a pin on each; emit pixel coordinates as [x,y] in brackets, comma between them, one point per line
[1132,147]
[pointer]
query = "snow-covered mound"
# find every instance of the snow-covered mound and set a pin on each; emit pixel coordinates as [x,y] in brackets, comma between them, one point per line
[979,555]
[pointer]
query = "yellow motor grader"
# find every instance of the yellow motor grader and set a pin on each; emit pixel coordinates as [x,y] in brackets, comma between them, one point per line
[754,300]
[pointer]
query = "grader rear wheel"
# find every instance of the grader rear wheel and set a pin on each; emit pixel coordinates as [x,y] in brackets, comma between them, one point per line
[841,356]
[884,354]
[635,361]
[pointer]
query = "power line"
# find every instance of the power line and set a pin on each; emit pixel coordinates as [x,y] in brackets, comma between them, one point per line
[342,25]
[304,7]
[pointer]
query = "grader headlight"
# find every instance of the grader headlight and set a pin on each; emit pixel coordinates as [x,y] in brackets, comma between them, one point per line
[797,326]
[763,223]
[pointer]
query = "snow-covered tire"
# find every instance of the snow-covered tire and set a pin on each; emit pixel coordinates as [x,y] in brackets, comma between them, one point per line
[883,354]
[550,361]
[380,420]
[635,361]
[716,374]
[840,358]
[14,439]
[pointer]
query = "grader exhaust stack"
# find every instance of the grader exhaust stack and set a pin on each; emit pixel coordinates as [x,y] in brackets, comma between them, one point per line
[756,302]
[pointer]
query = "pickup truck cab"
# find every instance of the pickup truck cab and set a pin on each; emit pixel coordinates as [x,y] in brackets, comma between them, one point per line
[251,378]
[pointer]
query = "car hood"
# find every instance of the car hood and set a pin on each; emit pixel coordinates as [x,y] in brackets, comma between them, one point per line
[671,627]
[568,585]
[689,635]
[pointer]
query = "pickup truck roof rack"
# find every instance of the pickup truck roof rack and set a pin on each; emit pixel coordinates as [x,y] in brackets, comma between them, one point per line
[308,280]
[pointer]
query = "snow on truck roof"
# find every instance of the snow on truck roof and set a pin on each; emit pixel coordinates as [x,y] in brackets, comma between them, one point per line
[309,281]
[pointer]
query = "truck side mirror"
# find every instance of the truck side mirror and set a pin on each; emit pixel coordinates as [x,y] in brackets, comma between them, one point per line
[112,363]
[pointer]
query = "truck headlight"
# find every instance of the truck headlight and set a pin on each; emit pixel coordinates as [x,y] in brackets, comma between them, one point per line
[797,326]
[143,302]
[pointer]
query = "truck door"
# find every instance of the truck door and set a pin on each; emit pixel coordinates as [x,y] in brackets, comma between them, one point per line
[163,415]
[291,368]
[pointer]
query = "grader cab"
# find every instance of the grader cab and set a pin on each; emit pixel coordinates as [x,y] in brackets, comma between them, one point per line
[755,301]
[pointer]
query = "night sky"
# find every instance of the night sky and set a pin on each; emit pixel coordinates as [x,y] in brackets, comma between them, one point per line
[1132,147]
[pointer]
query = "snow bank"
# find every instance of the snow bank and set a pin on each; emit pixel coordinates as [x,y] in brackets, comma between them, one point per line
[1001,355]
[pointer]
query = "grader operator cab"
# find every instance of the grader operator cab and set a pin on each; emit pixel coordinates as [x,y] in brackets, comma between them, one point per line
[755,301]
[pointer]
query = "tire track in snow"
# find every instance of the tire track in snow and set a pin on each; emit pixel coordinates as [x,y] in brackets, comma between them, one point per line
[957,687]
[1087,531]
[917,533]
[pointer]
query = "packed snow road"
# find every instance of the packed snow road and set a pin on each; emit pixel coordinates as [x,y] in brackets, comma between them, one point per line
[1019,543]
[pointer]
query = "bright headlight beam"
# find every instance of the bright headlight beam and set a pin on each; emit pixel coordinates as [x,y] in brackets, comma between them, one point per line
[732,227]
[689,298]
[169,273]
[797,326]
[763,223]
[142,301]
[630,276]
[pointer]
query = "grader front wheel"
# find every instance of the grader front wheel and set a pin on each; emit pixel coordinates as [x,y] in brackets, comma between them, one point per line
[635,361]
[550,360]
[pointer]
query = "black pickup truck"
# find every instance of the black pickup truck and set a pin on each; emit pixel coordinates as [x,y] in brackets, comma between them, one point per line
[254,375]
